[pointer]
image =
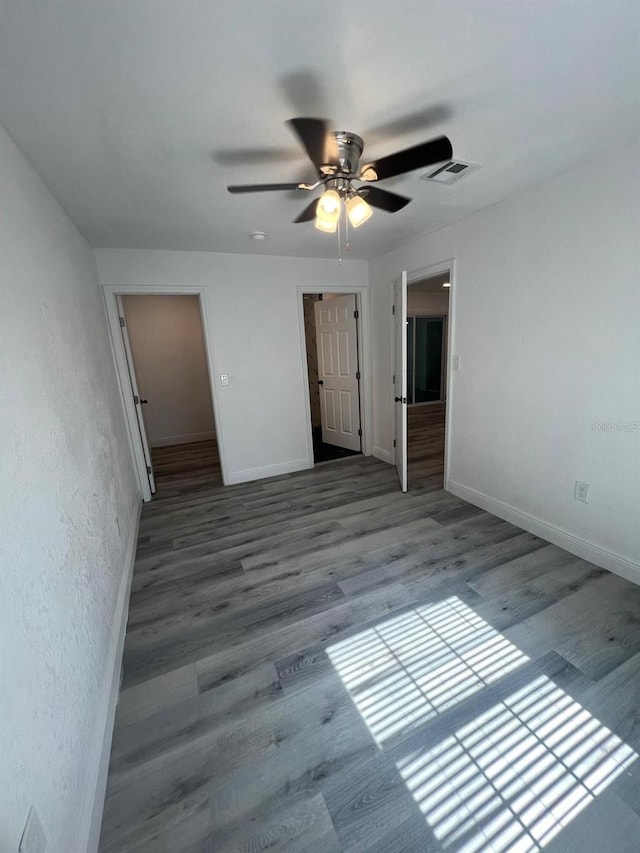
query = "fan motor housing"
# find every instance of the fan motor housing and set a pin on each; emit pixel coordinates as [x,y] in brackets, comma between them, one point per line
[349,150]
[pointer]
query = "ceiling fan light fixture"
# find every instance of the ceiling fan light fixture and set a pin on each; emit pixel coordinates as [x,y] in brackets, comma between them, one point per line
[329,204]
[358,210]
[328,224]
[328,212]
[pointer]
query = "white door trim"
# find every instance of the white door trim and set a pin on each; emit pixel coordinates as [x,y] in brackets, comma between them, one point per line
[110,291]
[133,383]
[447,265]
[365,360]
[400,379]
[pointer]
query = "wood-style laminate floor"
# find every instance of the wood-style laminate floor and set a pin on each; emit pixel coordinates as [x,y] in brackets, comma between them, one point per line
[425,445]
[186,464]
[318,663]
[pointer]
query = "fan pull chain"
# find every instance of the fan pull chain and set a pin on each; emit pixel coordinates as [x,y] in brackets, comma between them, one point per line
[339,247]
[347,245]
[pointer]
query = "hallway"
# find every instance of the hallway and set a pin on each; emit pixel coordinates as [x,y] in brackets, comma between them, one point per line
[320,663]
[186,464]
[425,444]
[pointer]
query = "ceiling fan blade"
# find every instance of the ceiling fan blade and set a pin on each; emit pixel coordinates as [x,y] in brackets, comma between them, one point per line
[251,156]
[376,197]
[308,213]
[417,157]
[314,134]
[304,91]
[409,123]
[262,188]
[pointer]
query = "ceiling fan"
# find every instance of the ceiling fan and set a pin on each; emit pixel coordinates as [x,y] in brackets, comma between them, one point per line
[336,155]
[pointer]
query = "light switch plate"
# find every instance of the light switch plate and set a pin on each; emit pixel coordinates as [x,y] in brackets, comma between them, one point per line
[33,838]
[224,378]
[455,362]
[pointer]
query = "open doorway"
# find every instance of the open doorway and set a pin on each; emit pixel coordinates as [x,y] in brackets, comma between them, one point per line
[167,368]
[427,347]
[331,331]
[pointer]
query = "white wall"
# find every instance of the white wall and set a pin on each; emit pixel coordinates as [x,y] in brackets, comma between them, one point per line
[66,478]
[427,303]
[546,321]
[165,333]
[251,308]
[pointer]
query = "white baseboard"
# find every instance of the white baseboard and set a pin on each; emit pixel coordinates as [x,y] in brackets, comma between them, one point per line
[606,559]
[100,748]
[383,455]
[267,471]
[188,438]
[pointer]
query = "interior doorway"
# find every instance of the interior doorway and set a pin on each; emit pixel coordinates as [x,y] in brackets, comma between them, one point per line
[332,344]
[427,348]
[167,370]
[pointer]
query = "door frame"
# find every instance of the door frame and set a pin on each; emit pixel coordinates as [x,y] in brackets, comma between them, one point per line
[110,292]
[135,390]
[413,277]
[443,371]
[363,324]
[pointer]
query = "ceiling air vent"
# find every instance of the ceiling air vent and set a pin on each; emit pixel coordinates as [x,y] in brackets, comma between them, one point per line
[450,172]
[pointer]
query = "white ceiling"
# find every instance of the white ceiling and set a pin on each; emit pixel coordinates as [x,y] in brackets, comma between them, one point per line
[135,112]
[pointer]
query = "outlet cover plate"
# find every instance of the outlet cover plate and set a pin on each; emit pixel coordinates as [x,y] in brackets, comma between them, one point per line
[581,492]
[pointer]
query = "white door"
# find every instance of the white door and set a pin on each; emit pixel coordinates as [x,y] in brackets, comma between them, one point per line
[338,374]
[400,377]
[136,397]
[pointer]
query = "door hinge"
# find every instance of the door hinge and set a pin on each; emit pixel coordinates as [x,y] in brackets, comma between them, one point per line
[121,321]
[149,470]
[393,309]
[357,374]
[359,432]
[394,442]
[356,313]
[136,399]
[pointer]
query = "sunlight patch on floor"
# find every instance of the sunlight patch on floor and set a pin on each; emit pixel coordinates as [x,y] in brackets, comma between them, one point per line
[408,669]
[514,776]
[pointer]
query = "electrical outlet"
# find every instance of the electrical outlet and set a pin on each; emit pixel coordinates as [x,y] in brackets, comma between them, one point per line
[33,838]
[581,492]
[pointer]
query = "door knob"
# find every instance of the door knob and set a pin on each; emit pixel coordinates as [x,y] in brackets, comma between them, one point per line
[400,399]
[320,381]
[143,402]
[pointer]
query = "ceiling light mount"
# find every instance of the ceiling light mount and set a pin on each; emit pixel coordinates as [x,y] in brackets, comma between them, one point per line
[258,235]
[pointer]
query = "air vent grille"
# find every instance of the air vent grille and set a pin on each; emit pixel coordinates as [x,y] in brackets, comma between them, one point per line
[450,172]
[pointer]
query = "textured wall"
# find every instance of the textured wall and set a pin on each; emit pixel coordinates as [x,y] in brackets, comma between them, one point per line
[66,477]
[170,360]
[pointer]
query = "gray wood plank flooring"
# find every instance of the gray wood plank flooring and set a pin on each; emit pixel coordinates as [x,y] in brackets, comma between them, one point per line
[319,663]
